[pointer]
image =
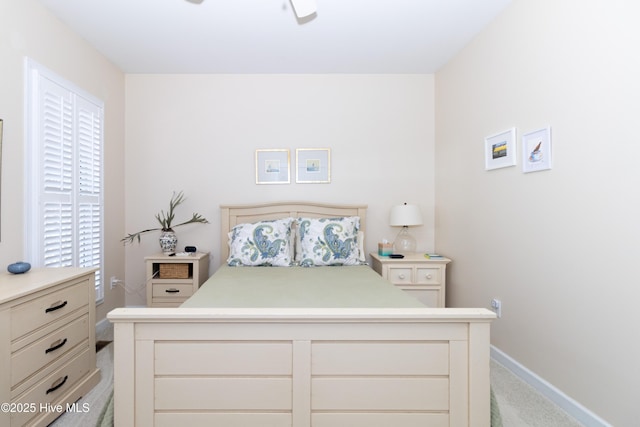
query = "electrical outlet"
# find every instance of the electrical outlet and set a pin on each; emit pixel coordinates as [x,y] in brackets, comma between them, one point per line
[496,306]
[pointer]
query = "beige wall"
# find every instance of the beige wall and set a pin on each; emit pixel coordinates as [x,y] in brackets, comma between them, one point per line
[199,134]
[28,30]
[558,247]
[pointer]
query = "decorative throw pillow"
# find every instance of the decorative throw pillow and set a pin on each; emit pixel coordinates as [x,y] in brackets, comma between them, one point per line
[263,243]
[328,241]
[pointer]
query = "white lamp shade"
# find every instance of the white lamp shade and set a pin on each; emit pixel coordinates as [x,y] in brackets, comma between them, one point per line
[405,215]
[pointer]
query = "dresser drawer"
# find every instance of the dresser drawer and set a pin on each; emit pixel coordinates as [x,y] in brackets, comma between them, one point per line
[180,290]
[53,387]
[400,275]
[38,312]
[35,356]
[429,297]
[427,276]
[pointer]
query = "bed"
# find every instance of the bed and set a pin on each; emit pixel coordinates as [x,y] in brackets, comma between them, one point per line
[266,358]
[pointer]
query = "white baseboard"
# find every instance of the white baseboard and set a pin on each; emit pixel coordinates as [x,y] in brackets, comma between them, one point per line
[570,406]
[102,325]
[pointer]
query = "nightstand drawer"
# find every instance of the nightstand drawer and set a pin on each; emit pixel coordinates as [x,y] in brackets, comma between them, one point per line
[429,297]
[166,288]
[427,276]
[171,290]
[400,275]
[424,278]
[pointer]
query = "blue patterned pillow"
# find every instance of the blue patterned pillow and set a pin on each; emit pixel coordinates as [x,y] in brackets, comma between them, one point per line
[262,243]
[328,241]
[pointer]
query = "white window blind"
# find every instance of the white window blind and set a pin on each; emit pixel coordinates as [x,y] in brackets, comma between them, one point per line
[64,174]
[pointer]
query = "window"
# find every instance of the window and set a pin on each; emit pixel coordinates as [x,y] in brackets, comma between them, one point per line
[63,174]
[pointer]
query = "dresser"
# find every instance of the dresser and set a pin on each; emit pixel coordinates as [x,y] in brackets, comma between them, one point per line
[423,278]
[173,279]
[47,337]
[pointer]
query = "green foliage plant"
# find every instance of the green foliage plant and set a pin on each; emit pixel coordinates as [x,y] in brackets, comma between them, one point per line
[165,219]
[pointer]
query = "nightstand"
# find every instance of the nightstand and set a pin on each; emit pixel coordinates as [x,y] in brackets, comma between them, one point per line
[423,278]
[173,279]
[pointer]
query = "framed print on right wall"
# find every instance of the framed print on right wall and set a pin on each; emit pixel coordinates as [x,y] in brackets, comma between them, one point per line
[536,150]
[500,150]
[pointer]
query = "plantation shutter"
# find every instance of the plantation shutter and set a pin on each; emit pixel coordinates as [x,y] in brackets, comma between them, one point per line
[56,197]
[89,185]
[65,224]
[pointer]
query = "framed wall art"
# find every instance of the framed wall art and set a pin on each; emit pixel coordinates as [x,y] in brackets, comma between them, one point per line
[536,150]
[500,150]
[313,165]
[273,166]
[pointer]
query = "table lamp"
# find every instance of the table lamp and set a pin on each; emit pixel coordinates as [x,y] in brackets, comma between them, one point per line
[405,216]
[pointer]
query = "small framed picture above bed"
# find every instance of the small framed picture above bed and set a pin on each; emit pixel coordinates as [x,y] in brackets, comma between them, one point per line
[273,166]
[313,165]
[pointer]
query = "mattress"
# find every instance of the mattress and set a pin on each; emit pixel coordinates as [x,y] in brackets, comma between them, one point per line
[299,287]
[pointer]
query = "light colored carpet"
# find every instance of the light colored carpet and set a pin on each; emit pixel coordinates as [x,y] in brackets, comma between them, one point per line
[523,406]
[97,398]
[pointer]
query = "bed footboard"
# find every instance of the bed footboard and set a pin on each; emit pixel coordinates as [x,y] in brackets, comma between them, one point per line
[301,368]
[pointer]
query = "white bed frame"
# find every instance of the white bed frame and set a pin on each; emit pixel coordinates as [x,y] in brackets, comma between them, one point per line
[301,367]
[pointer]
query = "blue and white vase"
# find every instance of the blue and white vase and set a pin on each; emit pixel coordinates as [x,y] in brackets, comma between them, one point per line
[168,241]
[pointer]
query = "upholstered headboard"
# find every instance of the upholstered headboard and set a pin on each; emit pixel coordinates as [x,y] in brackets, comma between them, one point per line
[232,215]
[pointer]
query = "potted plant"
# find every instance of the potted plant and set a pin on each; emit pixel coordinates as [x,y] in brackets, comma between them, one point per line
[168,239]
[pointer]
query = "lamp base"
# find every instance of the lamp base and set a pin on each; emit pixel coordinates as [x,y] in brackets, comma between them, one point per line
[404,242]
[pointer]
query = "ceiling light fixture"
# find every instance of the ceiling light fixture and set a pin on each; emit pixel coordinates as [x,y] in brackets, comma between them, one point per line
[304,8]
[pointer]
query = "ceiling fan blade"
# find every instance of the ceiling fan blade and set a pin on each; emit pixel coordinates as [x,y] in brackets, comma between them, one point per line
[304,8]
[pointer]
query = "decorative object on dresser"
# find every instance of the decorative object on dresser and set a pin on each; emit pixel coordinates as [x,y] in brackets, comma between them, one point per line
[168,239]
[19,267]
[173,279]
[405,216]
[422,277]
[48,343]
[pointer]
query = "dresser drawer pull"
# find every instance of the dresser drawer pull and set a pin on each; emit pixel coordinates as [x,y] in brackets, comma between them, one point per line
[429,276]
[401,276]
[57,307]
[172,291]
[57,346]
[60,384]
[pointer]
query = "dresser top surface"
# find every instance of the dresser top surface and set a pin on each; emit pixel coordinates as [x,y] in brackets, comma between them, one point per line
[14,286]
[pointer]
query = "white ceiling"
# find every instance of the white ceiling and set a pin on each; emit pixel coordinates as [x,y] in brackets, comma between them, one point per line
[264,36]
